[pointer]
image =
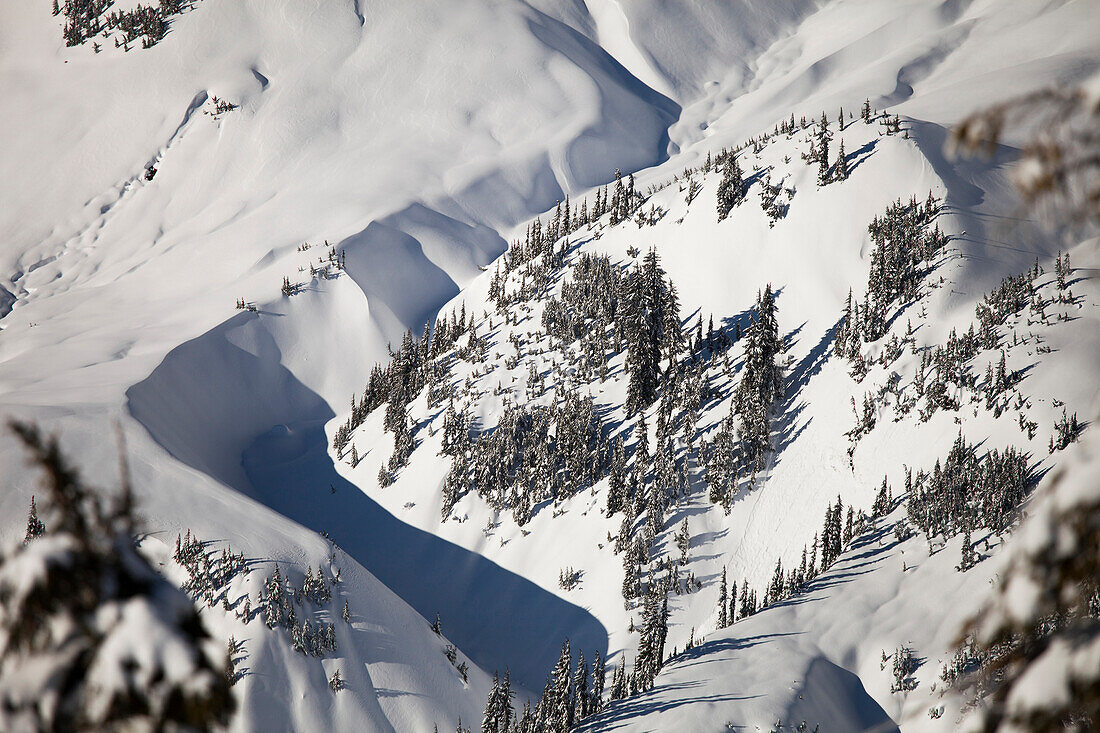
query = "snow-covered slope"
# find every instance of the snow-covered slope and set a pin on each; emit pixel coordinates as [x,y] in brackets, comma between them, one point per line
[416,139]
[883,593]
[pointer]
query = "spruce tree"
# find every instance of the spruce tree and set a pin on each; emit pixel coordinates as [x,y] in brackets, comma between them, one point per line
[840,173]
[641,449]
[561,704]
[731,189]
[761,382]
[70,658]
[498,708]
[580,689]
[616,492]
[35,527]
[721,467]
[776,587]
[683,541]
[597,683]
[618,199]
[823,151]
[723,601]
[652,328]
[969,558]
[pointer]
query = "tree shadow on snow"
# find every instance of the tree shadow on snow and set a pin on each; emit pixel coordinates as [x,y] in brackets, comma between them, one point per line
[859,156]
[654,701]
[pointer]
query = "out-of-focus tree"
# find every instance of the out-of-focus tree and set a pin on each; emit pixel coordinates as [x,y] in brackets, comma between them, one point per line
[92,638]
[1058,175]
[1031,656]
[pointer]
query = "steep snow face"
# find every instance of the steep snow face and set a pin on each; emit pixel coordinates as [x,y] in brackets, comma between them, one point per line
[885,593]
[396,131]
[413,137]
[342,119]
[933,61]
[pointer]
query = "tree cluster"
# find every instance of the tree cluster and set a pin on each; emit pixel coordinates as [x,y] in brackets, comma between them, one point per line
[85,19]
[209,575]
[905,247]
[277,606]
[533,454]
[967,491]
[743,441]
[571,694]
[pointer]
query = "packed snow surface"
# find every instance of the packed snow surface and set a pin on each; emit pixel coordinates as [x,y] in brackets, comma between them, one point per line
[418,139]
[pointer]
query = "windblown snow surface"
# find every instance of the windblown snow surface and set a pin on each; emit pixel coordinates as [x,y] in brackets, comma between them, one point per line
[419,138]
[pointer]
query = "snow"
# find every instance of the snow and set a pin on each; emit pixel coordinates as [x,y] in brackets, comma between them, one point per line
[419,138]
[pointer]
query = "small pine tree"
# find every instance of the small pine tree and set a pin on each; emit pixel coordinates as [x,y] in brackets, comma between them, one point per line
[597,683]
[761,383]
[730,188]
[723,601]
[969,557]
[904,666]
[823,151]
[840,173]
[35,527]
[683,541]
[561,712]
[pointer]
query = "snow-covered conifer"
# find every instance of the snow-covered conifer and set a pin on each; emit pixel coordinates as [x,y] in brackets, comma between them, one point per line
[91,636]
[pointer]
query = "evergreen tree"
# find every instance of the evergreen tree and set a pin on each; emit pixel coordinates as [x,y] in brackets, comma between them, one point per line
[70,658]
[618,200]
[823,151]
[616,493]
[35,526]
[581,699]
[641,449]
[969,556]
[731,189]
[683,541]
[655,511]
[499,712]
[881,507]
[652,329]
[561,702]
[747,602]
[761,382]
[618,681]
[651,647]
[840,173]
[831,534]
[776,588]
[723,601]
[721,467]
[597,684]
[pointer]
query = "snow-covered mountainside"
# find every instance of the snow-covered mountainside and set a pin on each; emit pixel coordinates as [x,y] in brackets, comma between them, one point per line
[796,356]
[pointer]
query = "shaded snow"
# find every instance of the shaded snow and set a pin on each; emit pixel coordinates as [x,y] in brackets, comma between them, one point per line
[419,137]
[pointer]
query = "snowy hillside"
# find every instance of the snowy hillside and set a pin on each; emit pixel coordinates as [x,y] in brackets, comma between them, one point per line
[356,174]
